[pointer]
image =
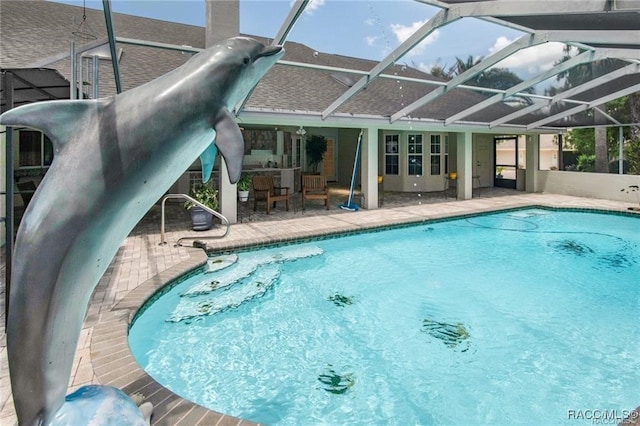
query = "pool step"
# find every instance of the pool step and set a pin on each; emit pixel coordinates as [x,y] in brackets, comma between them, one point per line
[231,280]
[217,263]
[247,264]
[229,298]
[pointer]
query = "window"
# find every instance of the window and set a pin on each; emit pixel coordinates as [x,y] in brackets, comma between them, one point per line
[414,156]
[391,160]
[435,155]
[35,149]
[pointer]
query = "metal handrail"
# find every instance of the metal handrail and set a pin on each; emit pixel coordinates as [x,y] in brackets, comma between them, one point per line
[190,199]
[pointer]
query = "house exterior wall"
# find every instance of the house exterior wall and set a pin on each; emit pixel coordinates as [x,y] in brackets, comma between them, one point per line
[406,182]
[591,185]
[346,148]
[482,161]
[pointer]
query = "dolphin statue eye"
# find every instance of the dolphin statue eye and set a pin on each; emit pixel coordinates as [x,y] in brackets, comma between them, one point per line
[246,60]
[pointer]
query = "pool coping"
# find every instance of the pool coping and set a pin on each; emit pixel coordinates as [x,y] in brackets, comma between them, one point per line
[114,364]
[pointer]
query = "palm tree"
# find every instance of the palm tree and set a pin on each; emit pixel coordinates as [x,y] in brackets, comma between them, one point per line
[439,71]
[581,74]
[494,78]
[461,66]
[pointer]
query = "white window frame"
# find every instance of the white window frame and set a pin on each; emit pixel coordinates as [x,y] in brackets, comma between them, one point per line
[415,151]
[392,137]
[435,151]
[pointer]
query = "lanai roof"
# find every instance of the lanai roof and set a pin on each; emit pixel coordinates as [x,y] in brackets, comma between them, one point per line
[332,90]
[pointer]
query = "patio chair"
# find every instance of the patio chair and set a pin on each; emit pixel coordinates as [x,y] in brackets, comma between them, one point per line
[265,190]
[315,187]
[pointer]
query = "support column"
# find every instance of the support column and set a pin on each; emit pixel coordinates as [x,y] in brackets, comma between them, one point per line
[464,153]
[7,88]
[369,174]
[222,22]
[533,163]
[560,152]
[227,194]
[620,151]
[96,77]
[280,150]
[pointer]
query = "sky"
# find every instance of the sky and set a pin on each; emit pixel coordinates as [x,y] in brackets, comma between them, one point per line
[368,29]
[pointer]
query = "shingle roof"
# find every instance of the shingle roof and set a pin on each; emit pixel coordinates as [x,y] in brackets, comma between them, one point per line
[31,31]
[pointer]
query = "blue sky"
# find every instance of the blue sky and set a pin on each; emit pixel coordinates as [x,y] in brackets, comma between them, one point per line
[362,28]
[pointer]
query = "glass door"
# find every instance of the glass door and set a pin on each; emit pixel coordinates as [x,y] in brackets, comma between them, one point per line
[506,161]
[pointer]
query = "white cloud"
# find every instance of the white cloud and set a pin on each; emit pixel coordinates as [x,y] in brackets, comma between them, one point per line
[425,67]
[403,32]
[500,44]
[370,22]
[371,40]
[533,60]
[313,5]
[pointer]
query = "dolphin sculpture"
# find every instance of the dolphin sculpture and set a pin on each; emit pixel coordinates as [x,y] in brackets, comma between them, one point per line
[114,158]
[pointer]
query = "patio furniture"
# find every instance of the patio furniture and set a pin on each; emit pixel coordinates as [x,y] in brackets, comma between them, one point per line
[314,187]
[265,190]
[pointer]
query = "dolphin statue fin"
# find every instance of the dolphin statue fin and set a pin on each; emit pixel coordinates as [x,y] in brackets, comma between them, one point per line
[230,143]
[57,119]
[207,158]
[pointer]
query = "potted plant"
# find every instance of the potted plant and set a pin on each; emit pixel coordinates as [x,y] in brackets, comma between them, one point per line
[315,148]
[244,184]
[207,195]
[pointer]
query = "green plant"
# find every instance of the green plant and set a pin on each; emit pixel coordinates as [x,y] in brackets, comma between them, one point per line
[245,182]
[203,193]
[586,163]
[315,148]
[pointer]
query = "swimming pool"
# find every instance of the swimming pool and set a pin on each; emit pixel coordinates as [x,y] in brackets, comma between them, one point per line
[518,317]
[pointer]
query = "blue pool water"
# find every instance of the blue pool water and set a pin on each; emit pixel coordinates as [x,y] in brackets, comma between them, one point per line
[518,317]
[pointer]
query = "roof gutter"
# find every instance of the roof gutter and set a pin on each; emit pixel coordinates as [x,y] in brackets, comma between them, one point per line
[265,116]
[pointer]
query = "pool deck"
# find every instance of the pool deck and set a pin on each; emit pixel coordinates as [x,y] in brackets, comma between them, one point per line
[142,266]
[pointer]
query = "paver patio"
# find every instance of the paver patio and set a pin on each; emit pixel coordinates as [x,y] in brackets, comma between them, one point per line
[142,265]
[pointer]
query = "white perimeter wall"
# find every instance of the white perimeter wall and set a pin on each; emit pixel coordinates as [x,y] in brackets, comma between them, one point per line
[590,185]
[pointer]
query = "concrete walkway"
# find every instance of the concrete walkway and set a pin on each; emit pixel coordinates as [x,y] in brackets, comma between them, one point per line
[142,266]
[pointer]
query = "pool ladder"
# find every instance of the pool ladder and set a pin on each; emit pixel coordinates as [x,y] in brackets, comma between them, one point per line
[224,220]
